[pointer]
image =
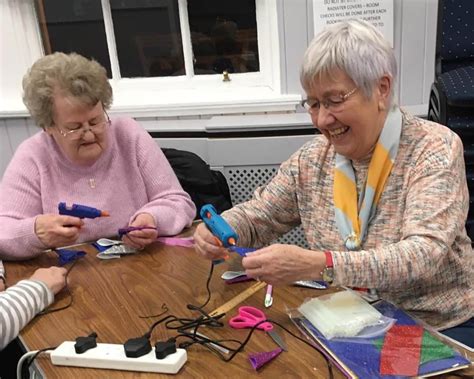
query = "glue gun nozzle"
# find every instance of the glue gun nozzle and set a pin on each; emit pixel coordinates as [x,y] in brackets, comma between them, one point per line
[104,214]
[231,241]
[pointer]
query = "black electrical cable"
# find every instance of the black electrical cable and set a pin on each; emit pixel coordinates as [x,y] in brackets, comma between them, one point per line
[31,360]
[184,324]
[188,328]
[165,309]
[208,281]
[204,340]
[68,291]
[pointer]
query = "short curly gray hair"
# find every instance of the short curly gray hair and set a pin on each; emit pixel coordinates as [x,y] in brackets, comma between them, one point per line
[71,74]
[355,47]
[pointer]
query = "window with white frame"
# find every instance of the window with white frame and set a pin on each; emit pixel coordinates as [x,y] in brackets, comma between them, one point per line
[149,35]
[165,58]
[175,57]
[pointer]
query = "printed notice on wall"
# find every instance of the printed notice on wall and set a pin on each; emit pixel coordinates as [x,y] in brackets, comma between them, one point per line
[378,13]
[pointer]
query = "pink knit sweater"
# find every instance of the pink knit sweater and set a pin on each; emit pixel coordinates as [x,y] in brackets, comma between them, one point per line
[132,176]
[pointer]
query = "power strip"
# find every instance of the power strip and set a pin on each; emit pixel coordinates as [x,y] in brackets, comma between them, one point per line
[112,356]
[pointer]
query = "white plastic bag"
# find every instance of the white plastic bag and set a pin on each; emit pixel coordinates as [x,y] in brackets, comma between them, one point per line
[344,314]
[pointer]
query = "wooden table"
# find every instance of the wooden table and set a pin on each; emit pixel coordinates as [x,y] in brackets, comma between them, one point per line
[110,295]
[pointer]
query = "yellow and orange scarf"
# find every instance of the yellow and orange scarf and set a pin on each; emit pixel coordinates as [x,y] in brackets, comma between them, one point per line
[353,216]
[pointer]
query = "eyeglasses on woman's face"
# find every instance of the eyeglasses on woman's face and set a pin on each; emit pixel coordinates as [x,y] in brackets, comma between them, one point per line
[75,132]
[334,103]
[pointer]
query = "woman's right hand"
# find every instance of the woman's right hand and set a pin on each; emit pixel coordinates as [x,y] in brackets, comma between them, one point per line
[53,277]
[206,244]
[56,230]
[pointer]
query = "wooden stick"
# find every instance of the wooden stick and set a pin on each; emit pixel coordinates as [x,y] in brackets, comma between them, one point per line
[232,303]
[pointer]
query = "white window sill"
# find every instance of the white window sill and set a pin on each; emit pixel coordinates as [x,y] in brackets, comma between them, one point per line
[190,102]
[259,122]
[231,123]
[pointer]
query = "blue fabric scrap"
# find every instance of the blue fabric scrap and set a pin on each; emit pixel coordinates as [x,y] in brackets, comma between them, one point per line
[242,251]
[67,256]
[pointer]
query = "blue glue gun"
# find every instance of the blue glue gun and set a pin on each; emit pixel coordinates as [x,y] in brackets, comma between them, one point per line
[218,226]
[81,211]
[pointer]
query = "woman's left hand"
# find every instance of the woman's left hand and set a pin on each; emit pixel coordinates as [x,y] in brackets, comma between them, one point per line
[282,264]
[141,238]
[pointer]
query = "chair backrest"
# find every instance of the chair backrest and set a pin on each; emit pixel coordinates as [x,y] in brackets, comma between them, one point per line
[205,186]
[455,35]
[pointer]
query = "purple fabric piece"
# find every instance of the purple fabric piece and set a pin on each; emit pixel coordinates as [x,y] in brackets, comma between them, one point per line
[257,360]
[67,256]
[123,231]
[242,278]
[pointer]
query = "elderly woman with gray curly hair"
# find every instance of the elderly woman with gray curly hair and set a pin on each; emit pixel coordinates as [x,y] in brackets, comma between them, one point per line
[82,156]
[381,195]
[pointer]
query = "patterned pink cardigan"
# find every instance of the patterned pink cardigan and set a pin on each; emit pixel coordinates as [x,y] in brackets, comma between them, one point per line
[416,254]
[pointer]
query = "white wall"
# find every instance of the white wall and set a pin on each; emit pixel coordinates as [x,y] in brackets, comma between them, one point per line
[415,45]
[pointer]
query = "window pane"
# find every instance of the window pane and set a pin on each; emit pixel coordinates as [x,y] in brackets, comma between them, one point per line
[224,36]
[148,37]
[74,25]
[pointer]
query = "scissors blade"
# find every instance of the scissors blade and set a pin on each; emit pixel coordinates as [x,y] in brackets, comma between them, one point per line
[277,339]
[217,347]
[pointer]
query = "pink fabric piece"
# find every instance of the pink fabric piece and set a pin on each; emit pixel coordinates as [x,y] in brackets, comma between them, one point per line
[132,176]
[257,360]
[177,241]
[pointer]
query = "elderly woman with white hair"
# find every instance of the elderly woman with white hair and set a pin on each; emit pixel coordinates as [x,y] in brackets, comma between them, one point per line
[381,195]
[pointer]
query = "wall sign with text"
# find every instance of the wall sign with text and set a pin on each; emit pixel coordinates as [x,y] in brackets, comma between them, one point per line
[379,13]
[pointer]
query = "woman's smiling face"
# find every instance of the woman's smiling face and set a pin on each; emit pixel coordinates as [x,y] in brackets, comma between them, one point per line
[351,122]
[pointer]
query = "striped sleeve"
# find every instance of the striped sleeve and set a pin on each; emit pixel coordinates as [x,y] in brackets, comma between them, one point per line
[19,304]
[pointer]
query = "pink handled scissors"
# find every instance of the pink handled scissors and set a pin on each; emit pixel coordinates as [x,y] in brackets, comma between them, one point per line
[248,317]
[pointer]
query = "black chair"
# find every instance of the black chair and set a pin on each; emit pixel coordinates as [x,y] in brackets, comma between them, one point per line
[204,186]
[452,94]
[451,100]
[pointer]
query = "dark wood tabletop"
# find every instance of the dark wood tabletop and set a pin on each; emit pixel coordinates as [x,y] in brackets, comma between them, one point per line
[110,295]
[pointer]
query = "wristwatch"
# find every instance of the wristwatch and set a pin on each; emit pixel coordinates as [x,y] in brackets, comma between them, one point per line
[328,272]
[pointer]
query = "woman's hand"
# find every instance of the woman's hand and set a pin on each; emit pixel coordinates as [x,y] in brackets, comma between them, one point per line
[138,239]
[53,277]
[56,230]
[282,264]
[207,245]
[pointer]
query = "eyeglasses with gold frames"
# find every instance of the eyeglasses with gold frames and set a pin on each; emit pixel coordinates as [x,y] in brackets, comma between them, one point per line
[75,134]
[334,103]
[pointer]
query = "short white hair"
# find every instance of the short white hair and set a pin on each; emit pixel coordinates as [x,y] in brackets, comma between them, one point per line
[355,47]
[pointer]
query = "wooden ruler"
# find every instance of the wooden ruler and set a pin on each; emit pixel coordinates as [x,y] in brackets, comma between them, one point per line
[232,303]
